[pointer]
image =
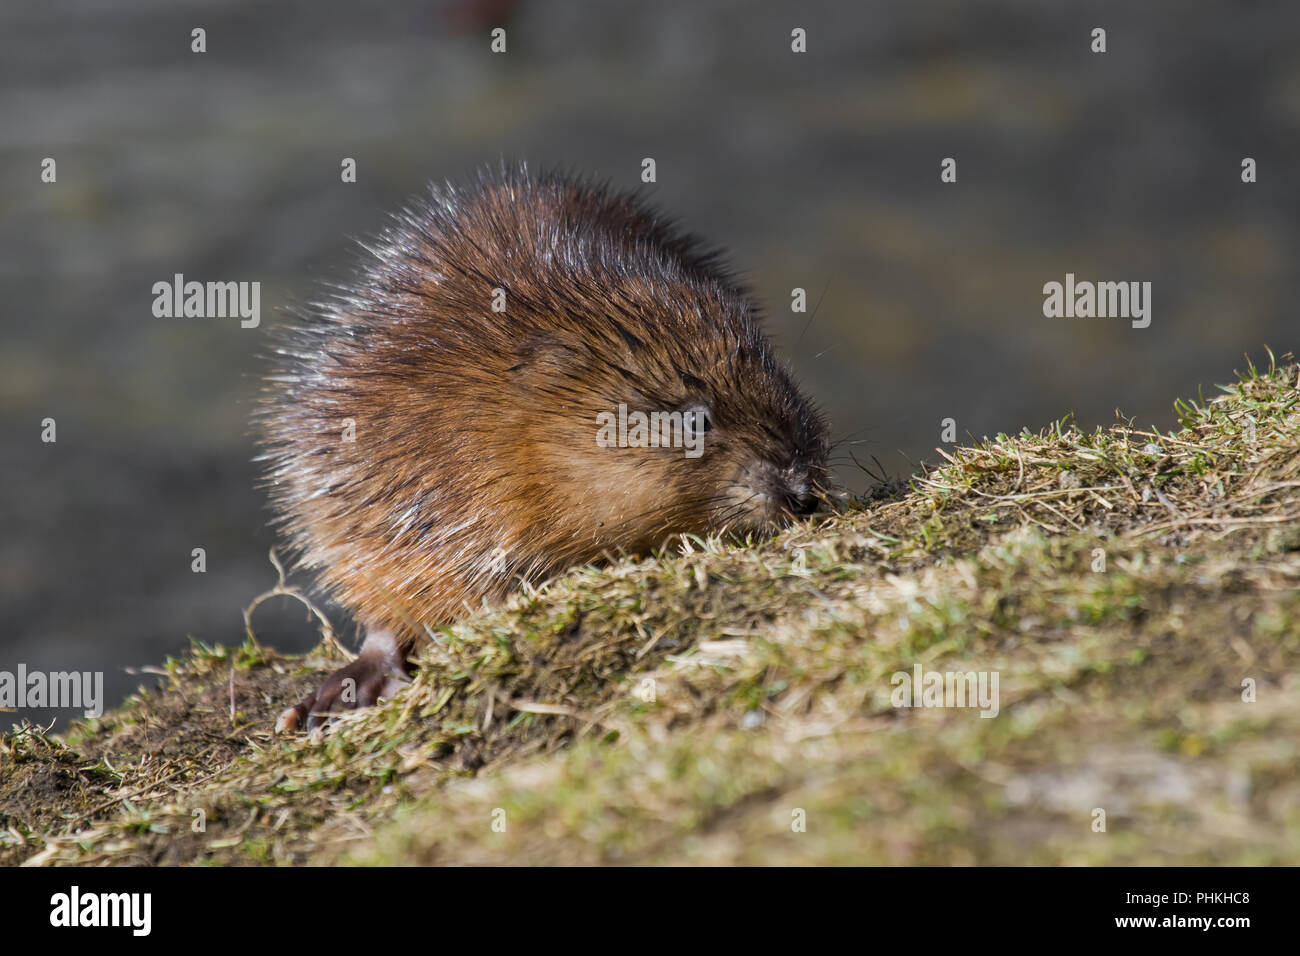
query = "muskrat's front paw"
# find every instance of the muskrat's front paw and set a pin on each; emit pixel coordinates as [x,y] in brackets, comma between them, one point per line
[359,684]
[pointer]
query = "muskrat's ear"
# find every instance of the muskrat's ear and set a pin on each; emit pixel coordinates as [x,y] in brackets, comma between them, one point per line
[544,355]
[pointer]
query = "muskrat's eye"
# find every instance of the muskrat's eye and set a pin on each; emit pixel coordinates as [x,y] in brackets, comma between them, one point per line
[697,419]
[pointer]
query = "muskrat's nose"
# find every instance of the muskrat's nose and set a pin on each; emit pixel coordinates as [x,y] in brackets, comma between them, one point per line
[798,497]
[804,504]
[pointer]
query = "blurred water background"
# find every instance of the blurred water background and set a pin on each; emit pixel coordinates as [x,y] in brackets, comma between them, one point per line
[819,171]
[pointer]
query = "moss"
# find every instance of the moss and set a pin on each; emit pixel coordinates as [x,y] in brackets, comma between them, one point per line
[731,702]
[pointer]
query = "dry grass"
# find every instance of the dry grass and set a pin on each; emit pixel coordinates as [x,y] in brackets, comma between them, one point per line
[691,707]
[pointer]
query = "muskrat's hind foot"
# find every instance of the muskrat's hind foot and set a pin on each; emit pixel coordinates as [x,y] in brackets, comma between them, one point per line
[380,670]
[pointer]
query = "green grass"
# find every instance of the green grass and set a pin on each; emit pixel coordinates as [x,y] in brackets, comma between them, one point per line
[731,703]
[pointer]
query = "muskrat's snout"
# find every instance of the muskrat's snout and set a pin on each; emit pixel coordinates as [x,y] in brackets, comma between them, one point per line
[771,495]
[793,492]
[801,503]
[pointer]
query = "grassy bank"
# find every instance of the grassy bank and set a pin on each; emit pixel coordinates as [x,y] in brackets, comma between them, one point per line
[730,702]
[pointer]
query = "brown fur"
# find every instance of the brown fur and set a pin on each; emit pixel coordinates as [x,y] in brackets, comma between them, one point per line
[475,461]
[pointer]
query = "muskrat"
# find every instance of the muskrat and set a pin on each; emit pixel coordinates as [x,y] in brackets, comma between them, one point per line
[431,431]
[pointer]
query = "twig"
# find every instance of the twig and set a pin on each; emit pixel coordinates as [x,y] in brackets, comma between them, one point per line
[282,589]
